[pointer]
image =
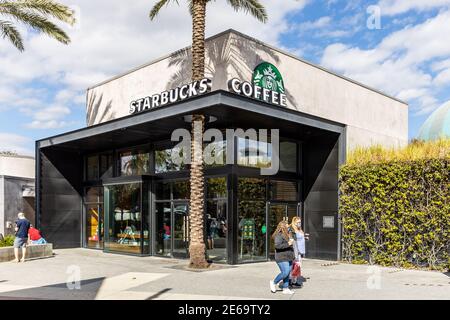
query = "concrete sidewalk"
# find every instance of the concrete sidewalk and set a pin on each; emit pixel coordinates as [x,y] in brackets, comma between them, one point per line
[112,276]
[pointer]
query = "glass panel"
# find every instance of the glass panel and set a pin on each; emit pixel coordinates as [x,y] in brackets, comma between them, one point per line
[93,195]
[162,228]
[215,154]
[181,190]
[125,214]
[283,190]
[216,188]
[181,229]
[134,163]
[106,166]
[251,188]
[162,191]
[252,230]
[216,229]
[288,156]
[277,213]
[164,160]
[252,153]
[92,168]
[94,226]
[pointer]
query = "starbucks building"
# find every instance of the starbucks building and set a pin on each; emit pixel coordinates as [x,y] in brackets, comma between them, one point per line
[277,128]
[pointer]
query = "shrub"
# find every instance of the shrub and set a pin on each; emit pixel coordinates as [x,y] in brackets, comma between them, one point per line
[7,241]
[395,209]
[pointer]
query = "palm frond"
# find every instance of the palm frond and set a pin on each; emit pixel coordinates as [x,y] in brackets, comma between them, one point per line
[7,30]
[47,8]
[38,23]
[255,8]
[157,7]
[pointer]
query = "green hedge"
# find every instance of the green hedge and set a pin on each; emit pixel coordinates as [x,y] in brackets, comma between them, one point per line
[397,213]
[7,241]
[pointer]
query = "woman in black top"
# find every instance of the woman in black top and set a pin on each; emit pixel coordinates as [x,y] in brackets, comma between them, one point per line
[284,255]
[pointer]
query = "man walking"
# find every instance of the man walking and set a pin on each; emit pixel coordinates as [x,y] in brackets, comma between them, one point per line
[22,227]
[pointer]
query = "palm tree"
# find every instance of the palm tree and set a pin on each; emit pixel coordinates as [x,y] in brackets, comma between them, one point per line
[36,14]
[197,9]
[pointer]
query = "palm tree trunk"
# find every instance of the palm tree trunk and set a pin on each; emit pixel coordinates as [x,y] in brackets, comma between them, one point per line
[197,249]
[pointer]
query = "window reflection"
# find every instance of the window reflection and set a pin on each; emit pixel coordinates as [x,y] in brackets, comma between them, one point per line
[252,153]
[288,156]
[92,168]
[134,163]
[169,160]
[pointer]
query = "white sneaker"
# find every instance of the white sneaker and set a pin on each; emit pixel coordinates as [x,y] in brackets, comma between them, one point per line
[288,291]
[272,286]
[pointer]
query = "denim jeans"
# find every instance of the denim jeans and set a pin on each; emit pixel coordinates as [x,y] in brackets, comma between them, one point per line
[285,268]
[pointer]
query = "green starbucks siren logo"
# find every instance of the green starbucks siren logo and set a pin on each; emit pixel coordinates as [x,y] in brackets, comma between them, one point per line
[267,76]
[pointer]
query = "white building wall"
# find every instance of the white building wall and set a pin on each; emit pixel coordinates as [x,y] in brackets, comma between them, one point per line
[371,117]
[17,166]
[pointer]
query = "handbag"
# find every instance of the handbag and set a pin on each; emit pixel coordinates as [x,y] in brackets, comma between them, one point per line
[296,270]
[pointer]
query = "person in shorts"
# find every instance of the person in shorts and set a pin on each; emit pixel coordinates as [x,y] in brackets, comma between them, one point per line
[22,227]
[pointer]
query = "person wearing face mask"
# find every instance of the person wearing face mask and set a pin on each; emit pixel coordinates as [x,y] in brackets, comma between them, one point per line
[299,247]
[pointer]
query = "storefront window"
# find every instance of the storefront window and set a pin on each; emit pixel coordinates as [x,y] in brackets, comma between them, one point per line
[162,190]
[134,163]
[169,160]
[106,166]
[252,227]
[283,190]
[216,224]
[92,168]
[252,153]
[125,216]
[215,154]
[181,190]
[288,156]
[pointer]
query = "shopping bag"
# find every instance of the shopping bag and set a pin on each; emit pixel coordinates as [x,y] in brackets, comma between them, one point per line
[295,272]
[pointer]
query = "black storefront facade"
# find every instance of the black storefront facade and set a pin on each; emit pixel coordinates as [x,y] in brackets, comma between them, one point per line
[113,187]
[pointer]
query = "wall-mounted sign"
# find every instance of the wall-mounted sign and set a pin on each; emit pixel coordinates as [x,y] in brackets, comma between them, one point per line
[328,222]
[267,85]
[184,92]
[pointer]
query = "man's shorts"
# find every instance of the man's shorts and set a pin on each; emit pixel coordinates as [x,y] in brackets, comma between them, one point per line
[20,242]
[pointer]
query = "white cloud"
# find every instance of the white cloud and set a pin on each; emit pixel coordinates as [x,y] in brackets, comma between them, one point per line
[398,64]
[443,78]
[317,24]
[394,7]
[112,37]
[15,143]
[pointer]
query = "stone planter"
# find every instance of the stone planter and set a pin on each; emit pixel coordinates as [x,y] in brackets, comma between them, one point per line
[34,251]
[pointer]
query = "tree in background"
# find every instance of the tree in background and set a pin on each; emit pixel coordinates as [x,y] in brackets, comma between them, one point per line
[36,14]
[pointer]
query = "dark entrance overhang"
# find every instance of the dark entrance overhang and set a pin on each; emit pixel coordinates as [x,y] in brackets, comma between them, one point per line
[231,111]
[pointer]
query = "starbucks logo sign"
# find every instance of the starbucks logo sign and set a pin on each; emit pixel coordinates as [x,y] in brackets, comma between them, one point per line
[266,75]
[267,85]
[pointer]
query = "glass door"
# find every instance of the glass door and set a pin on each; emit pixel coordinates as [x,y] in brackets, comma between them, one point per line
[163,228]
[277,213]
[94,217]
[180,229]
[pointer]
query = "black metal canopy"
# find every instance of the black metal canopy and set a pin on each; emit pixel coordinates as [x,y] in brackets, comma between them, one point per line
[231,111]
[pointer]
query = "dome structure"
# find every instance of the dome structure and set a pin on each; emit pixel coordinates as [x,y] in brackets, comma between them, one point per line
[437,125]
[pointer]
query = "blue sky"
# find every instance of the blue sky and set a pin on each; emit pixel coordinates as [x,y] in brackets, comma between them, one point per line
[400,47]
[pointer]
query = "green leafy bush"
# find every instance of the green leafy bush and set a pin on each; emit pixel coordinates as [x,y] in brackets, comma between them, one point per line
[395,205]
[7,241]
[397,213]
